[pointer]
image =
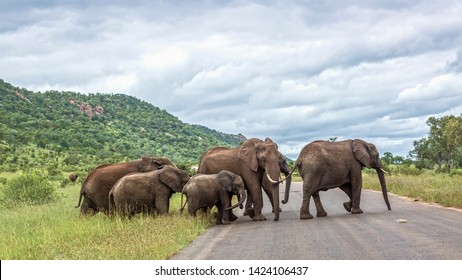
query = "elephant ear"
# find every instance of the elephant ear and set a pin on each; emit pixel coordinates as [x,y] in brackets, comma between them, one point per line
[160,161]
[361,152]
[225,180]
[248,154]
[171,178]
[144,164]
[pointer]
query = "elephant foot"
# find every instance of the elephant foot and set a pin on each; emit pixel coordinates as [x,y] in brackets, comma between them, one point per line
[259,217]
[321,213]
[304,216]
[225,222]
[356,211]
[347,206]
[280,210]
[249,212]
[232,217]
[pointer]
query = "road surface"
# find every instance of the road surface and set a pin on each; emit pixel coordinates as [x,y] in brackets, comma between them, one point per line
[412,230]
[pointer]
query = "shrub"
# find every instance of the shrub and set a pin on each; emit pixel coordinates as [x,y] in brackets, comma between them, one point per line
[31,187]
[456,172]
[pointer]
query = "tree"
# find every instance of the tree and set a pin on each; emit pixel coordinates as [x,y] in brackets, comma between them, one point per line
[443,144]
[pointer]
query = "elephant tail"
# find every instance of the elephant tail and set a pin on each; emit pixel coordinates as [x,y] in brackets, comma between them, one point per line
[82,192]
[112,206]
[181,202]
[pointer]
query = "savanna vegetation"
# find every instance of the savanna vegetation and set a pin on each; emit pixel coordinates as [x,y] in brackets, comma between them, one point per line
[69,131]
[46,136]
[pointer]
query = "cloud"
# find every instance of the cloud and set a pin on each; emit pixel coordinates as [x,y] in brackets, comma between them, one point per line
[294,71]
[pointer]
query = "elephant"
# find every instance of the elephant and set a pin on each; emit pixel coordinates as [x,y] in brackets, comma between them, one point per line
[73,177]
[206,191]
[326,165]
[251,161]
[99,182]
[148,192]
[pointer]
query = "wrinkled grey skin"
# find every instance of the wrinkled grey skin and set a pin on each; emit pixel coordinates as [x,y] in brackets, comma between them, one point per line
[206,191]
[147,193]
[327,165]
[96,187]
[250,161]
[268,186]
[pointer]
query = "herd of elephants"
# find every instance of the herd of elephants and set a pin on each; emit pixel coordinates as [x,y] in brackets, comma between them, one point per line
[146,185]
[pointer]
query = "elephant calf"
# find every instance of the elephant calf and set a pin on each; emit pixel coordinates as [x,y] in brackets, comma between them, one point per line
[204,191]
[148,192]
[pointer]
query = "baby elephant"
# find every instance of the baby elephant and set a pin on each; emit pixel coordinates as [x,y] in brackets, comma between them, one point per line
[148,192]
[204,191]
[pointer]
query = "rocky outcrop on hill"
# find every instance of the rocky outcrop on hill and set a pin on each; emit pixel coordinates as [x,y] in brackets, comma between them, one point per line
[87,109]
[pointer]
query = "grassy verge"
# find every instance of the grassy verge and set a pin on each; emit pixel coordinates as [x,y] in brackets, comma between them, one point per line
[429,187]
[55,231]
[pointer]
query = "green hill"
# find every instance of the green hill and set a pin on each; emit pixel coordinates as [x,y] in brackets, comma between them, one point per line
[71,130]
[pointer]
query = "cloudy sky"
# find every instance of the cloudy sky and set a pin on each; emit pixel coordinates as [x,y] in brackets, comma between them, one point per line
[295,71]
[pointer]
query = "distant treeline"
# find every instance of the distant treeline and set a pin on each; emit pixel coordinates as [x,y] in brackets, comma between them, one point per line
[440,150]
[443,145]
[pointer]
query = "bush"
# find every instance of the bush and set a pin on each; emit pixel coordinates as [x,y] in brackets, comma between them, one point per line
[456,172]
[31,187]
[404,170]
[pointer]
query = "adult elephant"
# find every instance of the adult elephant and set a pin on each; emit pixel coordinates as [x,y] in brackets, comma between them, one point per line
[251,161]
[326,165]
[96,187]
[208,190]
[148,192]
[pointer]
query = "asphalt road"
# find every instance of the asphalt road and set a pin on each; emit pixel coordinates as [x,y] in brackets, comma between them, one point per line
[426,232]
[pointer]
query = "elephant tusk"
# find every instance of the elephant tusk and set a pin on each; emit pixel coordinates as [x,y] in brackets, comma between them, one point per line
[384,171]
[271,180]
[275,182]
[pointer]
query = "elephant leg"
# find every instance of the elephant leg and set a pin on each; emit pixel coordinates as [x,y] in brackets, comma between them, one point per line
[317,201]
[162,206]
[257,199]
[220,214]
[248,206]
[267,187]
[356,183]
[192,211]
[248,203]
[347,189]
[307,193]
[87,208]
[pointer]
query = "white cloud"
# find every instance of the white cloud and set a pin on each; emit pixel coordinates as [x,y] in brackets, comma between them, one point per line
[293,71]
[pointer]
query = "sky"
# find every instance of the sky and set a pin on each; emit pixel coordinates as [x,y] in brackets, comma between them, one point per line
[293,71]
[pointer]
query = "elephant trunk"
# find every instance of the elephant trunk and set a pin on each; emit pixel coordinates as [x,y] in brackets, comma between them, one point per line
[242,196]
[381,175]
[274,172]
[286,193]
[276,201]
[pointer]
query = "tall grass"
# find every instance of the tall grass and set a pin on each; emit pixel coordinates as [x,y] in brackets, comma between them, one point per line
[56,231]
[430,187]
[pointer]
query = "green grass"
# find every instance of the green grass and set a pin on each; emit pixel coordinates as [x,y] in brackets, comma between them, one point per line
[428,187]
[56,231]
